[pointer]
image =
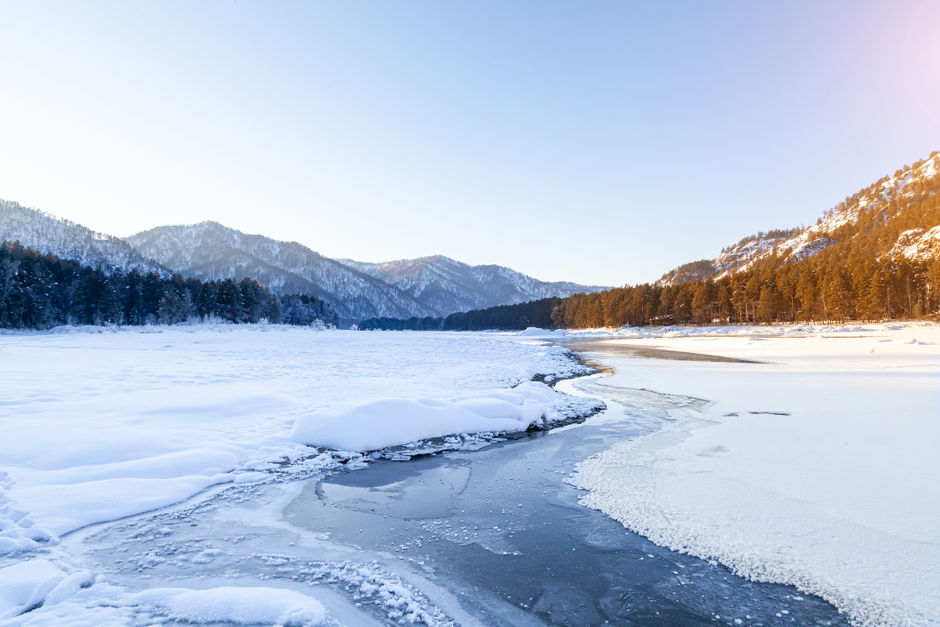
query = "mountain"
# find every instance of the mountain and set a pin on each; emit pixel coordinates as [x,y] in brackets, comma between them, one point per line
[210,250]
[874,256]
[433,286]
[50,235]
[893,216]
[449,286]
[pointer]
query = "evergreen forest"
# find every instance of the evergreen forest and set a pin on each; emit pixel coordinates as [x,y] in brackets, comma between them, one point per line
[42,291]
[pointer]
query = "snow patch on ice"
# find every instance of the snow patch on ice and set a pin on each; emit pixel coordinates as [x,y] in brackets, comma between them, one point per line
[383,423]
[236,604]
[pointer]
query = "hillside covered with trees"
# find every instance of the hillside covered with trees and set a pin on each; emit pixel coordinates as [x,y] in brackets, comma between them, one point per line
[874,256]
[42,291]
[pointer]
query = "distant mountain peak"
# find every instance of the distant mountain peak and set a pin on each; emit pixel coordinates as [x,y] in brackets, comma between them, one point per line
[450,286]
[210,250]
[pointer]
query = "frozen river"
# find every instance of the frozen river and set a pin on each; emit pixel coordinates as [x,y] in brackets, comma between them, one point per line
[489,536]
[154,477]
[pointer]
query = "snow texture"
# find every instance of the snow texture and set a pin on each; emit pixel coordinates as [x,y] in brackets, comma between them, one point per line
[917,244]
[236,604]
[105,423]
[382,423]
[815,468]
[101,426]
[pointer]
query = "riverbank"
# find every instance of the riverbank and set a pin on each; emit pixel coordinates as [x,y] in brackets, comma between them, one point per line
[102,426]
[110,425]
[816,468]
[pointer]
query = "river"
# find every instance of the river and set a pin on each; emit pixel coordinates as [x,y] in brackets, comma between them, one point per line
[488,536]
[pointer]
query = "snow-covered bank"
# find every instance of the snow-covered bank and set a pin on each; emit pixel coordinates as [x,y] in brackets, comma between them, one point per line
[375,424]
[98,426]
[817,468]
[75,599]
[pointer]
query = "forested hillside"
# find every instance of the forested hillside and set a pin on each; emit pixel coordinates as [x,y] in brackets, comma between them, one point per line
[51,235]
[883,218]
[876,255]
[212,251]
[42,291]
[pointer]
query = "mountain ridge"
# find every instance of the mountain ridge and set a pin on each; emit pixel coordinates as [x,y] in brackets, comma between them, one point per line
[453,286]
[884,197]
[48,234]
[208,250]
[211,250]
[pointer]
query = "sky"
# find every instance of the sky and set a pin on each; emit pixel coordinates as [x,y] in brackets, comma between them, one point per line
[598,142]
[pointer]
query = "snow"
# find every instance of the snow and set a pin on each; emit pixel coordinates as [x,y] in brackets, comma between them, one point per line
[101,424]
[47,234]
[834,492]
[451,286]
[816,467]
[917,244]
[26,584]
[931,167]
[209,250]
[237,604]
[376,424]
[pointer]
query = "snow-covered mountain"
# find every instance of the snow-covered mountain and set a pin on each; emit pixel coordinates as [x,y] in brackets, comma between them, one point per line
[50,235]
[900,199]
[433,286]
[210,250]
[450,286]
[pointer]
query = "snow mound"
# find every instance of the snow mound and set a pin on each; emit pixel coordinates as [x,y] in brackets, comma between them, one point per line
[539,332]
[381,423]
[18,531]
[24,585]
[236,604]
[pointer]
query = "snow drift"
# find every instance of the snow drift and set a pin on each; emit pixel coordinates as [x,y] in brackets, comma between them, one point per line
[376,424]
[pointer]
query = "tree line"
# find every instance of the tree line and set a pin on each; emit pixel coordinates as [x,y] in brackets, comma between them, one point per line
[822,288]
[813,290]
[856,273]
[532,314]
[42,291]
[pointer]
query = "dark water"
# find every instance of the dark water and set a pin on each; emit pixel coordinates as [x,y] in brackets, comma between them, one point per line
[501,530]
[493,536]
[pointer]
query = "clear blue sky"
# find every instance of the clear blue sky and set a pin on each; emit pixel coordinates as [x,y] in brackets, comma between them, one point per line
[601,142]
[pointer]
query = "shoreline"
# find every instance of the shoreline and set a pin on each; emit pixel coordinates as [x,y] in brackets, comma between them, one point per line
[687,486]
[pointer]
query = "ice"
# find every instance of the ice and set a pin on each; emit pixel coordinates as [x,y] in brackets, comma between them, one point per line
[103,424]
[100,426]
[501,531]
[816,467]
